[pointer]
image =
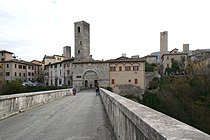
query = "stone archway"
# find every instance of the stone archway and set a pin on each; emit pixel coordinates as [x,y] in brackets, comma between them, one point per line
[90,79]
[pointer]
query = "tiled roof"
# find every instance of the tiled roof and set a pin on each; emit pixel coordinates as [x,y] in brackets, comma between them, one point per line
[125,59]
[18,61]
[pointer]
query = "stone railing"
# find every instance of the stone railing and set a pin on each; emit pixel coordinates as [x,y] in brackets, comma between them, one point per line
[16,103]
[133,121]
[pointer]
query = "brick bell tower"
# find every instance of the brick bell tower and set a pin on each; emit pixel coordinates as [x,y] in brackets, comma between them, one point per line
[82,40]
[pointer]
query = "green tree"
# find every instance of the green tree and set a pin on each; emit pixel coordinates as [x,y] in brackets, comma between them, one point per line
[150,67]
[177,67]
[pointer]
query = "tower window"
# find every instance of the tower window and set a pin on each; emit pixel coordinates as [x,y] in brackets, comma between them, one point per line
[80,42]
[113,82]
[78,29]
[136,81]
[78,51]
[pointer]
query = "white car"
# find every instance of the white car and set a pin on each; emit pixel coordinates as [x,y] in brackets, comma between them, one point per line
[28,83]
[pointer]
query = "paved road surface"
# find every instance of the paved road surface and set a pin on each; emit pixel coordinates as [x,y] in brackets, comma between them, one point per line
[80,117]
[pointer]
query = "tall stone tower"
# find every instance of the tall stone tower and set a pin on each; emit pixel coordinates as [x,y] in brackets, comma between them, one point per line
[186,48]
[163,43]
[82,40]
[67,52]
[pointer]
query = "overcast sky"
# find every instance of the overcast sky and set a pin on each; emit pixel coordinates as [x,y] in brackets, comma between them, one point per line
[33,28]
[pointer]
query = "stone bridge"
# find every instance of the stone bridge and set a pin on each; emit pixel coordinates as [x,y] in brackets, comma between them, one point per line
[48,115]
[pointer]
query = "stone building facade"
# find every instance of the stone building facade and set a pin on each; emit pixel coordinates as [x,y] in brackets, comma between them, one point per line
[90,74]
[151,59]
[166,56]
[85,72]
[127,75]
[13,68]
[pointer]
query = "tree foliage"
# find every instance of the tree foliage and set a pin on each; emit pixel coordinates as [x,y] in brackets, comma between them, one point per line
[176,68]
[150,67]
[187,97]
[183,99]
[15,86]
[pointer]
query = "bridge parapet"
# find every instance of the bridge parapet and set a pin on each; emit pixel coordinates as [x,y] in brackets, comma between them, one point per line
[134,121]
[12,104]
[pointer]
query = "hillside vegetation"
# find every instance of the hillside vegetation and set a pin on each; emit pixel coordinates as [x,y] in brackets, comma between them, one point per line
[185,97]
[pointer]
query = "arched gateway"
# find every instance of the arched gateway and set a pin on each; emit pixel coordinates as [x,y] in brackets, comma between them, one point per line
[90,79]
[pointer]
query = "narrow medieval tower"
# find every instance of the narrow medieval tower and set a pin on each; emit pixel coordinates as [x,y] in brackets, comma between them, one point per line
[82,40]
[163,43]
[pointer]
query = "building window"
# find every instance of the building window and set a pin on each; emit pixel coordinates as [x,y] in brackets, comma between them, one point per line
[78,29]
[20,66]
[68,72]
[19,74]
[24,75]
[32,74]
[15,74]
[182,57]
[29,67]
[129,80]
[127,68]
[167,65]
[24,67]
[135,68]
[60,64]
[136,81]
[120,68]
[51,66]
[78,51]
[113,82]
[7,73]
[15,66]
[29,74]
[113,68]
[80,42]
[60,72]
[55,66]
[167,58]
[7,65]
[78,76]
[59,81]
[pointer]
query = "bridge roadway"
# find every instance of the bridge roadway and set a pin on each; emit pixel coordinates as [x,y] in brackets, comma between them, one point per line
[80,117]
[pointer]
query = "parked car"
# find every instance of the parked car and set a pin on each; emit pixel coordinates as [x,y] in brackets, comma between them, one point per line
[28,83]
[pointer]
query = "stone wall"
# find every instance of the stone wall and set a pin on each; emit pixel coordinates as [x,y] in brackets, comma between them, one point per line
[101,69]
[16,103]
[133,121]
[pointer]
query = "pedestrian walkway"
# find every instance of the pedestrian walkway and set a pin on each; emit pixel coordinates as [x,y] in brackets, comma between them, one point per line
[80,117]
